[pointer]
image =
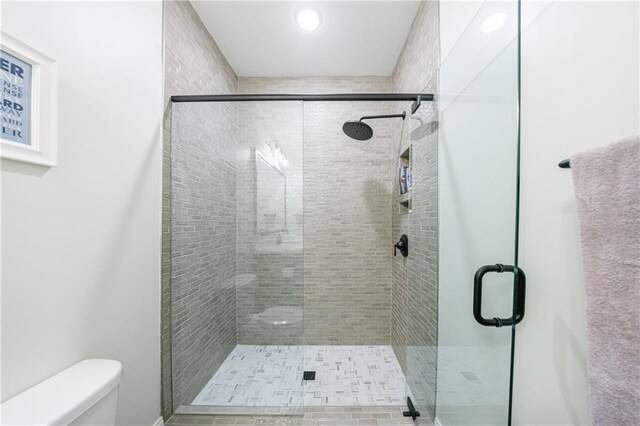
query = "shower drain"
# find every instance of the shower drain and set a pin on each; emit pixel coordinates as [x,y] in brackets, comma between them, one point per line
[309,375]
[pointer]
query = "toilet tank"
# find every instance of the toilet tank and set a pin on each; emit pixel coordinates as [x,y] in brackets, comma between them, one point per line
[83,394]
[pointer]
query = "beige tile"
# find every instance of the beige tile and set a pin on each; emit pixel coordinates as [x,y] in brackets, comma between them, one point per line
[226,421]
[335,409]
[347,422]
[389,421]
[326,422]
[363,415]
[380,415]
[331,415]
[367,422]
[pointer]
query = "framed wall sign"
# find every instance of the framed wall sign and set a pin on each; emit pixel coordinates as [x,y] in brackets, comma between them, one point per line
[28,108]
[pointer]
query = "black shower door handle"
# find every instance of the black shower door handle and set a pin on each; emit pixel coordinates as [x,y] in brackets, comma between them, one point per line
[518,294]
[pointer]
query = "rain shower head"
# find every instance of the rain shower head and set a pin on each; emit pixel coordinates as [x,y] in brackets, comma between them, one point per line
[358,130]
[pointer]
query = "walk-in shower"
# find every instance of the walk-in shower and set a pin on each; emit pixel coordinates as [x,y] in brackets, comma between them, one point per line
[285,294]
[303,299]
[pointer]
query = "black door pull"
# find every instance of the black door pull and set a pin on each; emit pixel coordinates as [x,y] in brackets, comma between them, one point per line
[518,294]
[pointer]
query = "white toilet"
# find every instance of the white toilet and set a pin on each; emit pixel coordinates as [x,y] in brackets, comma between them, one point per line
[83,394]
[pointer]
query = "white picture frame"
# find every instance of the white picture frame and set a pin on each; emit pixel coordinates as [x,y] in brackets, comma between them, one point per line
[42,146]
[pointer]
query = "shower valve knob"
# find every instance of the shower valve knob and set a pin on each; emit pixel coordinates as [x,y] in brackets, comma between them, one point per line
[402,245]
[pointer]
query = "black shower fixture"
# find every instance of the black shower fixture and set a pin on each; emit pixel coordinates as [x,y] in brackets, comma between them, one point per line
[402,245]
[358,130]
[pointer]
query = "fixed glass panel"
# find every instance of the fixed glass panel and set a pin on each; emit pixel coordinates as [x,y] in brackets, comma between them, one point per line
[422,275]
[237,257]
[270,285]
[473,225]
[202,165]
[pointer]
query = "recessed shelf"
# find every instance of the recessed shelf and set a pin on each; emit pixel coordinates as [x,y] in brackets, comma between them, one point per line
[405,153]
[404,202]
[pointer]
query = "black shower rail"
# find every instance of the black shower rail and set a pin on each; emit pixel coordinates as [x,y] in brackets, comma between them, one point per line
[417,98]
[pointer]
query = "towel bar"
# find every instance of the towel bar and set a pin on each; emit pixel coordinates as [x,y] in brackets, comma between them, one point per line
[564,164]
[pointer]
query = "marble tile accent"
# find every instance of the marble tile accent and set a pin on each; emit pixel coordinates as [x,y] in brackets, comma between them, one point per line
[267,376]
[271,376]
[353,376]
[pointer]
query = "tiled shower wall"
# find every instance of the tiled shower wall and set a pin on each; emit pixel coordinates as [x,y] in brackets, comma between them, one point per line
[347,212]
[199,209]
[414,308]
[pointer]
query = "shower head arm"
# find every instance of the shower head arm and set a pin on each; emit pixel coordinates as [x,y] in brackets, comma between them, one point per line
[374,117]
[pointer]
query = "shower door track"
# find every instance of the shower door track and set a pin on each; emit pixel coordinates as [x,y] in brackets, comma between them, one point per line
[417,98]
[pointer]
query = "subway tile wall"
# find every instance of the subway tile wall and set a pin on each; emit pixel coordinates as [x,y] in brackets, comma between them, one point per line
[199,210]
[347,188]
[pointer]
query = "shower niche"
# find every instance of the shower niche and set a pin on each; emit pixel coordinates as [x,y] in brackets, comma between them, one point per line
[405,180]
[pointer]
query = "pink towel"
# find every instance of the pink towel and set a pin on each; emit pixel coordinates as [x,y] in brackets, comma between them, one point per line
[607,186]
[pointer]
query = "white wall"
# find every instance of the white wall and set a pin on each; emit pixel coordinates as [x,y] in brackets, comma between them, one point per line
[81,242]
[580,90]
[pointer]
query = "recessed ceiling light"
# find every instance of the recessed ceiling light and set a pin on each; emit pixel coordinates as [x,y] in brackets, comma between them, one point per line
[493,22]
[308,19]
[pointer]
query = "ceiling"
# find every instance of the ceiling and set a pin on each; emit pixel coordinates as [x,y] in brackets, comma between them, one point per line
[262,39]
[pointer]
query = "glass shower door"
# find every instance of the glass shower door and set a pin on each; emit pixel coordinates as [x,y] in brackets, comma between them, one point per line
[464,217]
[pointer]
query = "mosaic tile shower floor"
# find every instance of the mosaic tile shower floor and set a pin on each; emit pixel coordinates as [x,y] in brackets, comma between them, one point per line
[271,376]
